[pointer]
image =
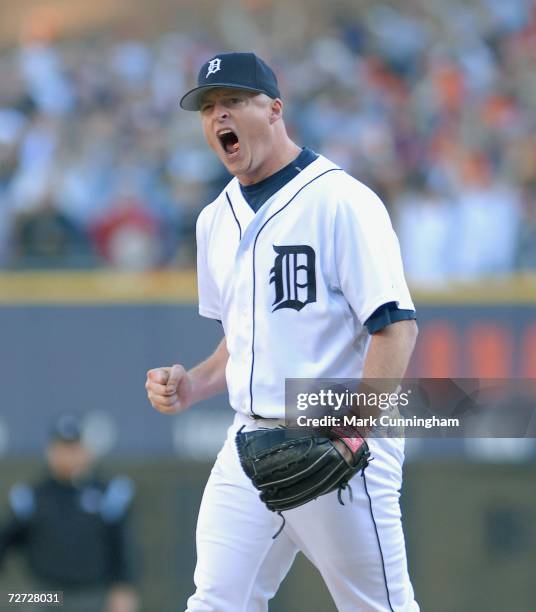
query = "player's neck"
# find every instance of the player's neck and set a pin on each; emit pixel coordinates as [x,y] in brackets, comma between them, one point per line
[286,153]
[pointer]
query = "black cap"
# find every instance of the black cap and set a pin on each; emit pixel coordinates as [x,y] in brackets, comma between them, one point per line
[66,428]
[234,70]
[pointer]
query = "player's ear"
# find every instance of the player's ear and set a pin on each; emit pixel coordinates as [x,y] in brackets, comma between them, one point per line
[276,110]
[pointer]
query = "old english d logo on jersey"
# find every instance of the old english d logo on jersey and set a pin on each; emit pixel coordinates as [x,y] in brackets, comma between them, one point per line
[294,277]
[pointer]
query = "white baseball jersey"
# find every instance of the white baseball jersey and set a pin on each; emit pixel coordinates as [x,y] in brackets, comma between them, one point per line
[294,283]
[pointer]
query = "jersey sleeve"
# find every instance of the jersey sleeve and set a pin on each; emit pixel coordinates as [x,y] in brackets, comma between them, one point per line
[387,314]
[209,298]
[367,254]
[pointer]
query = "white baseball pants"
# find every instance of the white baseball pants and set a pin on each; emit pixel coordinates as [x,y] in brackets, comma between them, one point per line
[358,548]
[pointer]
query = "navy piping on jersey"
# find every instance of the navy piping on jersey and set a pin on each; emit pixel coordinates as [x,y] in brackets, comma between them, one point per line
[379,543]
[256,195]
[234,215]
[254,280]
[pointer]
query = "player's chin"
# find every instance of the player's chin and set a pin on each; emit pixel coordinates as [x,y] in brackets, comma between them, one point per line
[233,161]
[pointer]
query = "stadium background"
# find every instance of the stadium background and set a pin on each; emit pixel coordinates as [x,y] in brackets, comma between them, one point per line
[101,178]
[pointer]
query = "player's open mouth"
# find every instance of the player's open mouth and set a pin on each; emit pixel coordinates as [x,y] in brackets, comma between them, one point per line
[229,141]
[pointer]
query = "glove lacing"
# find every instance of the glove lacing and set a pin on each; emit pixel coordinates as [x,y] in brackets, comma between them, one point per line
[347,485]
[341,488]
[284,521]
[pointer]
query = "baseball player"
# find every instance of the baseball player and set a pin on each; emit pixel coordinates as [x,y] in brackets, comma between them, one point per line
[300,264]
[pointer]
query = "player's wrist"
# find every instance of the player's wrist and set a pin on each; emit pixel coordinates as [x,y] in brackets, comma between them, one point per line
[205,383]
[199,388]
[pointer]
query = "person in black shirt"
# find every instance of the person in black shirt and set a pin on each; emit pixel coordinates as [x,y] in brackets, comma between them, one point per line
[73,528]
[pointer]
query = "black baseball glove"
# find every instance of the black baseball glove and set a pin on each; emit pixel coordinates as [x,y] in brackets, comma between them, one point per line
[291,467]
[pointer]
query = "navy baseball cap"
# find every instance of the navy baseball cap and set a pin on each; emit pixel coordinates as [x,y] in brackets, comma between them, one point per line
[66,428]
[234,70]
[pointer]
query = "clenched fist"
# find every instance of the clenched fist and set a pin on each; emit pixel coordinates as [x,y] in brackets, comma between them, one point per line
[169,389]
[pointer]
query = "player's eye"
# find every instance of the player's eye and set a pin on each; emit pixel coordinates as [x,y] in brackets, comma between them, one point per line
[206,108]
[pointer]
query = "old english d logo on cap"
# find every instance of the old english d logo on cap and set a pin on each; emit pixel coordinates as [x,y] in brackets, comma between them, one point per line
[243,71]
[213,66]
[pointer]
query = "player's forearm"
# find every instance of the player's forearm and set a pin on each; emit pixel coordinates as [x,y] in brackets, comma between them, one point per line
[386,362]
[390,350]
[208,377]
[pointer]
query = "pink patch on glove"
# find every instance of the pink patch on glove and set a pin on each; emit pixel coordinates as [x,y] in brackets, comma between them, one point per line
[350,437]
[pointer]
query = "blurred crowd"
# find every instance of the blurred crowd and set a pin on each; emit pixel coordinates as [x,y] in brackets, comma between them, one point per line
[432,104]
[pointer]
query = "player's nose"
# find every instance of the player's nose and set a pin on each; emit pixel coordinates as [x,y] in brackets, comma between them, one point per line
[220,111]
